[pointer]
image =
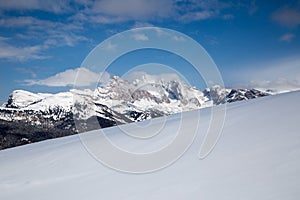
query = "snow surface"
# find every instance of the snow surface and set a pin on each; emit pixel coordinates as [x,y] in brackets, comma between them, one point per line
[257,157]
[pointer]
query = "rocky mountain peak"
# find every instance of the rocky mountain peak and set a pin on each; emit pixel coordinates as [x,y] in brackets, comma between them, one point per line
[117,101]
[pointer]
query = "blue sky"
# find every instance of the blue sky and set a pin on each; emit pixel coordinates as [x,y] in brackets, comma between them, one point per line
[253,43]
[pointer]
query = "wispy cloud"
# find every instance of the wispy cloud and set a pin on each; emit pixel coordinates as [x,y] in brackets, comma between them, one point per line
[55,6]
[196,16]
[14,53]
[43,29]
[178,38]
[69,28]
[139,24]
[212,40]
[24,70]
[57,38]
[200,10]
[288,37]
[69,31]
[277,85]
[288,17]
[108,46]
[117,11]
[47,33]
[253,7]
[278,75]
[140,37]
[80,77]
[148,78]
[228,16]
[133,9]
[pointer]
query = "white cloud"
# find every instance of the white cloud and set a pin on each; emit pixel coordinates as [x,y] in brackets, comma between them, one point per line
[288,17]
[196,16]
[277,85]
[278,75]
[212,40]
[3,38]
[201,10]
[142,24]
[140,37]
[55,6]
[111,11]
[72,77]
[100,19]
[20,22]
[161,32]
[288,37]
[11,51]
[253,7]
[178,38]
[109,46]
[14,53]
[69,31]
[133,9]
[63,34]
[228,16]
[148,78]
[117,11]
[47,33]
[64,39]
[24,70]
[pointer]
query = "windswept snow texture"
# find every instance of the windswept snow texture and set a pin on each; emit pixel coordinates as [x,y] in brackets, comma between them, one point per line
[256,158]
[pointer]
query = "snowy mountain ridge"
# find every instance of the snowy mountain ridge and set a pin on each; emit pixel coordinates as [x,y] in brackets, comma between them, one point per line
[118,101]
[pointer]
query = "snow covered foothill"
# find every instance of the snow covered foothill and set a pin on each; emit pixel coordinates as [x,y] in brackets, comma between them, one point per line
[257,157]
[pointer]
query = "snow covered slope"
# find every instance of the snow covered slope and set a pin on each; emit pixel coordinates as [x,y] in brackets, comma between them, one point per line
[257,157]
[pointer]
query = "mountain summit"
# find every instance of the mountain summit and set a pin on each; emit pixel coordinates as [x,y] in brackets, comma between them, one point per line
[28,117]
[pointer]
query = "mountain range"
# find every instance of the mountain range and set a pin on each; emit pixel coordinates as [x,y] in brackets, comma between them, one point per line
[256,157]
[30,117]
